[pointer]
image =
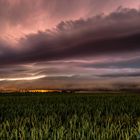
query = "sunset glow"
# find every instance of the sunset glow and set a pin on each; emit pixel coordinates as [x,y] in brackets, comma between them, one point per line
[43,91]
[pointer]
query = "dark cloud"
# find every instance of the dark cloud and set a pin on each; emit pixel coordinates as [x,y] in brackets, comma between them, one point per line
[127,86]
[118,33]
[86,53]
[115,75]
[132,63]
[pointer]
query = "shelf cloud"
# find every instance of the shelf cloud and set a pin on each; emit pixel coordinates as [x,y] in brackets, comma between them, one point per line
[116,33]
[88,40]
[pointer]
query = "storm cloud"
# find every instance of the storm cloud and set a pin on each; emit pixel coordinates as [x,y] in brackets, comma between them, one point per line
[61,44]
[116,33]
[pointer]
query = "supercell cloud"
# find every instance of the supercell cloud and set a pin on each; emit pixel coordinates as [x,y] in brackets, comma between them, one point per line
[78,46]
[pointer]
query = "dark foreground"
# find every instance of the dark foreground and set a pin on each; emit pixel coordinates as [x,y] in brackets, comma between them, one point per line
[69,117]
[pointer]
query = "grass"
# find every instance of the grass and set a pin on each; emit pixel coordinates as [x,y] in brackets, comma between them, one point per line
[69,116]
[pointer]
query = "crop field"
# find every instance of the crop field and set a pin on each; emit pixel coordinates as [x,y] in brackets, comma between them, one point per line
[69,116]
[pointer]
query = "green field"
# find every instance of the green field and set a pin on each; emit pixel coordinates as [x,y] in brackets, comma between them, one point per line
[69,116]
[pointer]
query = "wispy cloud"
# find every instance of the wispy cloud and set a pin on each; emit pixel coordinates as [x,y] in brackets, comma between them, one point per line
[23,78]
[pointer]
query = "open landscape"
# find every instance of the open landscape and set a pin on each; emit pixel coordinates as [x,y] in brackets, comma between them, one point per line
[69,70]
[55,116]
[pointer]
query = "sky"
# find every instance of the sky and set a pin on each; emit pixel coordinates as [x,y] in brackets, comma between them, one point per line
[61,44]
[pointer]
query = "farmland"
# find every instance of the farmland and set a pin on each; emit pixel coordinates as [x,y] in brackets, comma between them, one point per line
[69,116]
